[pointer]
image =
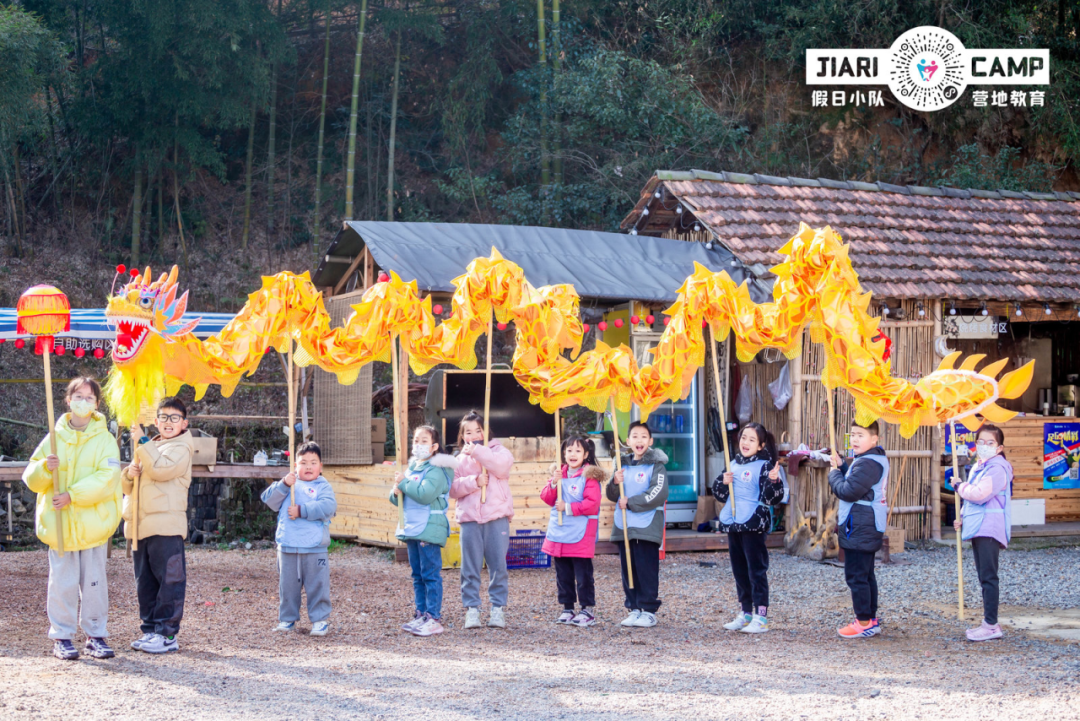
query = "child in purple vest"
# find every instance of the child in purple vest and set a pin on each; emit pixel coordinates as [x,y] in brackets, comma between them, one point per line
[986,518]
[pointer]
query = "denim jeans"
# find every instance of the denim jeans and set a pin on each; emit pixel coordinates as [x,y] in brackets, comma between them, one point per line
[426,561]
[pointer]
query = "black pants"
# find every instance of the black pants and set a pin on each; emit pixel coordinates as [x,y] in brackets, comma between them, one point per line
[986,563]
[645,560]
[574,577]
[859,572]
[750,565]
[161,582]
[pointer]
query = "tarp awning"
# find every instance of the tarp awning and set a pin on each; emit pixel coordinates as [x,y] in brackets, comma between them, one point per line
[603,266]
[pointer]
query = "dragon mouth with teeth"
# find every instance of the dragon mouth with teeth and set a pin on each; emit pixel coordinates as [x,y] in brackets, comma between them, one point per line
[131,335]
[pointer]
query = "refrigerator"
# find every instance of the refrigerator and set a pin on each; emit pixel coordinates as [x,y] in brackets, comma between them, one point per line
[677,430]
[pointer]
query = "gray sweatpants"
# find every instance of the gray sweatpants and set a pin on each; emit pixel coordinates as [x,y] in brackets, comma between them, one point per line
[79,574]
[482,542]
[308,572]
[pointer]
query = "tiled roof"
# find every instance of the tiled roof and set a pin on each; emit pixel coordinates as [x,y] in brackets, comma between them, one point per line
[906,241]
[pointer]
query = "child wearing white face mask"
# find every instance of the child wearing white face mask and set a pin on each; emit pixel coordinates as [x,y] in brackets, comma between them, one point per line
[425,487]
[88,463]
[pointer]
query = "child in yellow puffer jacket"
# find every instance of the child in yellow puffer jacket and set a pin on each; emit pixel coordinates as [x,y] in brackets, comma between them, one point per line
[88,461]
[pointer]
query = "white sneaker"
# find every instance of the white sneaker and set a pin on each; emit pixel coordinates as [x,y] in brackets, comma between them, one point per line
[320,628]
[416,622]
[137,644]
[584,618]
[160,644]
[758,624]
[566,616]
[645,620]
[429,627]
[742,619]
[472,617]
[285,626]
[497,619]
[632,619]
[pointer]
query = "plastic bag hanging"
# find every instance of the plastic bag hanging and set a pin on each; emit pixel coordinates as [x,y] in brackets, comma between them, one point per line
[780,389]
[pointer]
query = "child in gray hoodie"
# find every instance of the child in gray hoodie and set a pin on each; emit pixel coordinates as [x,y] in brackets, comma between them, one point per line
[303,535]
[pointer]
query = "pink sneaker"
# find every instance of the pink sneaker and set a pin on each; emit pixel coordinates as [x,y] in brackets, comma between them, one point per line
[985,632]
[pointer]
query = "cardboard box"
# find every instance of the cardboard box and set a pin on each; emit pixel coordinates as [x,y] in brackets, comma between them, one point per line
[378,430]
[205,449]
[378,452]
[1028,511]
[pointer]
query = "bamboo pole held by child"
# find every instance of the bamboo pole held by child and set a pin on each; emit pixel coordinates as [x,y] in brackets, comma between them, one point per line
[292,422]
[723,417]
[959,549]
[558,462]
[487,399]
[622,493]
[52,449]
[135,483]
[397,429]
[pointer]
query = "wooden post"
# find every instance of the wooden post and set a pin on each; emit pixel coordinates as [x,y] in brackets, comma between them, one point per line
[558,460]
[397,427]
[52,446]
[959,544]
[935,479]
[723,415]
[487,398]
[292,422]
[622,493]
[896,491]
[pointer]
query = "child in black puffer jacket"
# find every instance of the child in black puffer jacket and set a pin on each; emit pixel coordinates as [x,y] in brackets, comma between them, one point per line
[758,482]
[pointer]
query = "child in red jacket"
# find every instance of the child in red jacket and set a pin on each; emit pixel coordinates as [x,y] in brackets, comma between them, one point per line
[571,538]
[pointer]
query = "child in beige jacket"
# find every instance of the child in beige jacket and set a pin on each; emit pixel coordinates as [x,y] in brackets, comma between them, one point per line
[163,467]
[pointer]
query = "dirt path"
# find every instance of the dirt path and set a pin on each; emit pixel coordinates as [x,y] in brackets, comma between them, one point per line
[231,666]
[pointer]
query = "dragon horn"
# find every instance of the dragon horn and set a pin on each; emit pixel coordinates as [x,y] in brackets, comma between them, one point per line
[146,275]
[1013,384]
[172,276]
[994,368]
[949,361]
[972,361]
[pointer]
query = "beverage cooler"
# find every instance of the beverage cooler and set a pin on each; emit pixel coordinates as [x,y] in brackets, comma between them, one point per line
[677,430]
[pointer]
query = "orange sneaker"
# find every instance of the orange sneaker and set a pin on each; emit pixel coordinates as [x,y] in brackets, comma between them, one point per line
[860,629]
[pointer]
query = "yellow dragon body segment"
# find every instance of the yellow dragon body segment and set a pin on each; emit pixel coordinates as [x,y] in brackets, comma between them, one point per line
[816,288]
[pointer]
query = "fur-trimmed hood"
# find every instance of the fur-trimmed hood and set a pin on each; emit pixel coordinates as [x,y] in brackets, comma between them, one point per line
[592,473]
[443,460]
[652,456]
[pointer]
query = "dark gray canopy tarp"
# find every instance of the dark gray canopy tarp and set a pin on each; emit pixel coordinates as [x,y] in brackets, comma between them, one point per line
[605,266]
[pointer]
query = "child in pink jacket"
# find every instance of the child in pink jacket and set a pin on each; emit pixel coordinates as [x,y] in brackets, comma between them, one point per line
[485,527]
[986,521]
[571,540]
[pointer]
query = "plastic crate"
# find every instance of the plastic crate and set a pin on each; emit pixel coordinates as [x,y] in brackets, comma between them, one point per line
[524,551]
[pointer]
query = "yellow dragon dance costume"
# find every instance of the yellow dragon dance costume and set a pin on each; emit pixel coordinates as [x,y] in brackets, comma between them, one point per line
[816,287]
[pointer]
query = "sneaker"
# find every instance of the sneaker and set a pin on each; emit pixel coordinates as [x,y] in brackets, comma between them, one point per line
[985,632]
[758,624]
[567,616]
[498,617]
[632,619]
[584,618]
[742,619]
[430,627]
[415,623]
[858,629]
[160,644]
[320,628]
[98,648]
[137,643]
[285,626]
[472,617]
[65,650]
[645,620]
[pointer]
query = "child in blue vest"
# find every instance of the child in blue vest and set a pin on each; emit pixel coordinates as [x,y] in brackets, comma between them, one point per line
[426,490]
[755,476]
[303,535]
[860,523]
[571,536]
[645,477]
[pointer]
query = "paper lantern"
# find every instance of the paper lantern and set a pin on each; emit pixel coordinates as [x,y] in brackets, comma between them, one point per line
[383,277]
[586,327]
[436,309]
[635,319]
[133,272]
[650,319]
[602,325]
[59,349]
[618,323]
[501,326]
[19,342]
[667,319]
[43,311]
[79,352]
[99,353]
[121,269]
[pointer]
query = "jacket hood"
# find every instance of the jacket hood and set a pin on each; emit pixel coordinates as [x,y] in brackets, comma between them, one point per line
[184,439]
[443,460]
[595,473]
[96,427]
[652,455]
[875,451]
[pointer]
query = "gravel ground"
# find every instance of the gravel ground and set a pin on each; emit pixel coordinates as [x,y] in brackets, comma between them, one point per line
[231,666]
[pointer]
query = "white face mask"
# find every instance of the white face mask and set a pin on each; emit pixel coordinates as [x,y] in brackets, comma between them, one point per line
[985,453]
[421,452]
[82,408]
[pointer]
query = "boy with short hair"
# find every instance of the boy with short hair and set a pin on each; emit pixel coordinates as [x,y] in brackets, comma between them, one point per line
[303,535]
[163,467]
[860,523]
[645,476]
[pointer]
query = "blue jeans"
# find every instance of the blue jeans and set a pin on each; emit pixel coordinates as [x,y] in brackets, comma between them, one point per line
[426,561]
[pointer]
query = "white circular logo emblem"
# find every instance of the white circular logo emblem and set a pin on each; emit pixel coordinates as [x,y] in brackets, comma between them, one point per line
[927,68]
